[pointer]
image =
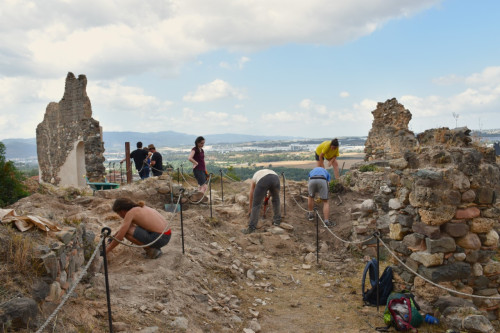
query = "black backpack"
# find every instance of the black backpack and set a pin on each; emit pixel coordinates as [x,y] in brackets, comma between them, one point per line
[385,284]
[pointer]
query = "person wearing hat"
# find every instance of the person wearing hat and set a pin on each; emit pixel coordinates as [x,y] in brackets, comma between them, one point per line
[328,150]
[156,161]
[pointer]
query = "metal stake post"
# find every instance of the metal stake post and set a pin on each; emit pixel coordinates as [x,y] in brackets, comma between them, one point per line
[107,231]
[284,199]
[178,175]
[210,188]
[378,268]
[221,185]
[317,234]
[121,174]
[182,222]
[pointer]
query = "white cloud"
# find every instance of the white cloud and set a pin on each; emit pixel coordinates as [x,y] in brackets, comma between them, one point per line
[282,117]
[488,77]
[239,65]
[305,103]
[344,94]
[242,62]
[110,38]
[214,90]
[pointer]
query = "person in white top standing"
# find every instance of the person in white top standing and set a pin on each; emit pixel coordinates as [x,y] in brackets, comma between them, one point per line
[262,181]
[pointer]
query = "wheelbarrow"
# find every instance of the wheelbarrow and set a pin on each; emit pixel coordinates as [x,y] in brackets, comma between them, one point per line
[101,186]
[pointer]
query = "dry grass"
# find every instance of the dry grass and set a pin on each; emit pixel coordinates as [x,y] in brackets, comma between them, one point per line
[19,267]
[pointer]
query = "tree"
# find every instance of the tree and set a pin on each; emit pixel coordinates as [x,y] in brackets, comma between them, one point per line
[11,186]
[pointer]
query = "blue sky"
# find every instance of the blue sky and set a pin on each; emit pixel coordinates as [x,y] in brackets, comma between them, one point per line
[303,68]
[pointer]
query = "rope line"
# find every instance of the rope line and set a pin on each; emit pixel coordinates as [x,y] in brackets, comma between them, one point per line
[289,191]
[228,177]
[340,239]
[70,291]
[144,245]
[204,193]
[182,173]
[429,281]
[397,258]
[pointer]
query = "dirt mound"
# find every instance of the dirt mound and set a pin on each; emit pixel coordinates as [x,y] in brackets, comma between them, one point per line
[224,281]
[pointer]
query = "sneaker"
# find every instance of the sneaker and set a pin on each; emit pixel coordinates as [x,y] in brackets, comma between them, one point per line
[310,216]
[248,230]
[330,224]
[277,223]
[153,253]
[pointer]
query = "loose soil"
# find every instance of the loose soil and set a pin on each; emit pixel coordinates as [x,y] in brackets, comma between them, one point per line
[219,279]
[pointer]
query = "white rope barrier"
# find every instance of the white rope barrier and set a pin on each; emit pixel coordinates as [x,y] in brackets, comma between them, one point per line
[227,176]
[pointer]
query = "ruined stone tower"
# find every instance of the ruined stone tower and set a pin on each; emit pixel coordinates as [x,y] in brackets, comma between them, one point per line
[69,141]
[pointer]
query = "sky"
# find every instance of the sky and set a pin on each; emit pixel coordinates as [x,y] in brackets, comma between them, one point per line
[310,69]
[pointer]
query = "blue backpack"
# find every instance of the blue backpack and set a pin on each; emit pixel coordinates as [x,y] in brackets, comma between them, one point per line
[385,284]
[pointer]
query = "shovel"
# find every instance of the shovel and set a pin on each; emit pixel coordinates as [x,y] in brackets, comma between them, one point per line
[171,207]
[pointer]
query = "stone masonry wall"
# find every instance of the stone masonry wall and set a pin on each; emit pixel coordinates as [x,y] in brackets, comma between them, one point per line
[389,136]
[436,205]
[65,123]
[62,259]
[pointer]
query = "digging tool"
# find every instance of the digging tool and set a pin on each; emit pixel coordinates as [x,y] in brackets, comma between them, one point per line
[172,207]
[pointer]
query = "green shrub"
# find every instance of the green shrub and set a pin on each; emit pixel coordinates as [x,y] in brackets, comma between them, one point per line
[367,167]
[12,188]
[335,186]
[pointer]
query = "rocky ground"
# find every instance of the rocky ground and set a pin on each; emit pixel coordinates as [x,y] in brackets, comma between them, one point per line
[223,281]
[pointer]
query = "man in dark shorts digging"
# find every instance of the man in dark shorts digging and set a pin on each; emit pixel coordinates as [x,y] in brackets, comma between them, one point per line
[141,225]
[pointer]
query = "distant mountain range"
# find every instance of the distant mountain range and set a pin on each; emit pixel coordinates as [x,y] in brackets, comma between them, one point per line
[115,141]
[25,149]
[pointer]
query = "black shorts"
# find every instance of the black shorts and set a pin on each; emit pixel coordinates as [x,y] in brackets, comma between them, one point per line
[200,176]
[145,237]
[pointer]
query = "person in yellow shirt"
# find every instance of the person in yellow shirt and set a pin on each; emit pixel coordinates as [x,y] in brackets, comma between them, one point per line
[328,150]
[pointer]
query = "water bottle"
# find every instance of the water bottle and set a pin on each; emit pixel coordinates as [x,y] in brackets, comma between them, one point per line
[430,319]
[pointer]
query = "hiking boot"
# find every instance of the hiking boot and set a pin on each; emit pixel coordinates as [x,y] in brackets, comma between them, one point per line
[152,253]
[330,223]
[248,230]
[277,223]
[310,216]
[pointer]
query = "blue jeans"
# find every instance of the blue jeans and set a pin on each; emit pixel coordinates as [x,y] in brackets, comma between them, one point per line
[144,173]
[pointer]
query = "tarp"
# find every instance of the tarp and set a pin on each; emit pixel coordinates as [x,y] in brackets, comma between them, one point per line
[26,222]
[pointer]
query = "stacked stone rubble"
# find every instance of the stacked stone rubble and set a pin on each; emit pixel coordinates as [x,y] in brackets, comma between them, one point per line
[389,136]
[436,206]
[62,260]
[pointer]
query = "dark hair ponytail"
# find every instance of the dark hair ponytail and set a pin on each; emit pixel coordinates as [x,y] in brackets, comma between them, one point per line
[335,143]
[125,204]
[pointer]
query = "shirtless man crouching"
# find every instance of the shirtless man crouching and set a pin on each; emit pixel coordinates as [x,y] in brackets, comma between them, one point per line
[141,225]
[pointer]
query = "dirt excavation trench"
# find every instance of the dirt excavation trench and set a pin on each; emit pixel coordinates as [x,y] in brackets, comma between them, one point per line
[225,281]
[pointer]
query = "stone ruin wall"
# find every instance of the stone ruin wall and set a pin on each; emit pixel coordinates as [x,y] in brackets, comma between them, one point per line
[69,140]
[435,202]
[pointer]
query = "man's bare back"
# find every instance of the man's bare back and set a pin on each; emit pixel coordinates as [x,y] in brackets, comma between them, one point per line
[138,216]
[147,218]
